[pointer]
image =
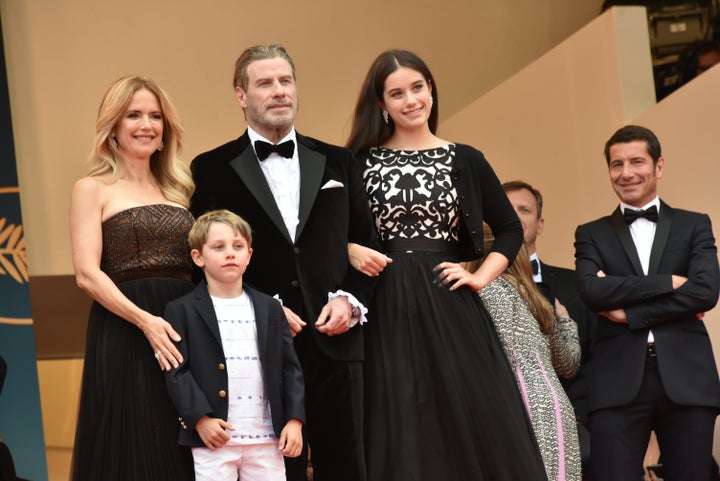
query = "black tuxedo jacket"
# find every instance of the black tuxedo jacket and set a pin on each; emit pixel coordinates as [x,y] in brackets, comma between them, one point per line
[199,386]
[562,283]
[684,245]
[302,271]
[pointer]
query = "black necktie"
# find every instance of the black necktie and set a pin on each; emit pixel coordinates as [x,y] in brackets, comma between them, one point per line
[264,149]
[535,266]
[630,215]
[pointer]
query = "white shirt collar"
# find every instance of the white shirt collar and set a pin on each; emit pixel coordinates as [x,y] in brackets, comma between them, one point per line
[536,277]
[655,202]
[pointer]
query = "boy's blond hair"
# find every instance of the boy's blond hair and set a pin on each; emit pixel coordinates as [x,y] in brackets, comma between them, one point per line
[199,233]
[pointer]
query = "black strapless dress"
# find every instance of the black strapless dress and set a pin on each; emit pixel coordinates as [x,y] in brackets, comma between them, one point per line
[127,425]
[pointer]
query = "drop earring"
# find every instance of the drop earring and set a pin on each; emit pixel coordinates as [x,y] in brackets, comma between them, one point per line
[386,116]
[161,146]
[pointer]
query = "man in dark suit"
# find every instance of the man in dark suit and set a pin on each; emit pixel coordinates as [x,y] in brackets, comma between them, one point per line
[561,283]
[305,201]
[651,274]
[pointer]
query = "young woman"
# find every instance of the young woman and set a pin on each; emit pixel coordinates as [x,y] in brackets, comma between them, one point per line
[441,399]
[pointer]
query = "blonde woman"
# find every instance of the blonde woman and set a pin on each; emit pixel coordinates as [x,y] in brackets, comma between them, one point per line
[128,227]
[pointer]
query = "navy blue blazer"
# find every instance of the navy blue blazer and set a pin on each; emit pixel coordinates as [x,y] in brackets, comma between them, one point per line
[199,386]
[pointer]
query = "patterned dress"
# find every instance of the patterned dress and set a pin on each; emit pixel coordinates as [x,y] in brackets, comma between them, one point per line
[127,425]
[441,400]
[538,360]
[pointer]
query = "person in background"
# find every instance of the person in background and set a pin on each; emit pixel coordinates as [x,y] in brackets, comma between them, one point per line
[543,348]
[128,230]
[697,58]
[558,284]
[441,399]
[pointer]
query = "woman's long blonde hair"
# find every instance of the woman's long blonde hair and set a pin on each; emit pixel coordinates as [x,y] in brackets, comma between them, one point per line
[519,274]
[173,176]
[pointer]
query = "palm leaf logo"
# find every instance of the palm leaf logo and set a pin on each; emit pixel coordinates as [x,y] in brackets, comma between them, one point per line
[13,258]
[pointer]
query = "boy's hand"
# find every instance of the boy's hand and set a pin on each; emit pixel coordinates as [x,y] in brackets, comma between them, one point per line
[212,432]
[290,443]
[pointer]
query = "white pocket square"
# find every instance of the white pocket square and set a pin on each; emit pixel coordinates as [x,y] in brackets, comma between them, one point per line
[332,184]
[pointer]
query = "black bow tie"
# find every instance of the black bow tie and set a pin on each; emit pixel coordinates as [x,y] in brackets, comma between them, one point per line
[630,215]
[264,149]
[535,266]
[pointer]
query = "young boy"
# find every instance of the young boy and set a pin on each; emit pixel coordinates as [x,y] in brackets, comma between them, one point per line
[239,390]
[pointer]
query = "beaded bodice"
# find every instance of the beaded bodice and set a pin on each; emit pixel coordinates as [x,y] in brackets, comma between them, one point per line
[147,241]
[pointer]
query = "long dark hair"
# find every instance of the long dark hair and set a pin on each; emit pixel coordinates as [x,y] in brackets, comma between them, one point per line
[519,274]
[368,126]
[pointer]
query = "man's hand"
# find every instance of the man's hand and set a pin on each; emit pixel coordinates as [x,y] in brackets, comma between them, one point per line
[678,281]
[296,324]
[212,431]
[615,315]
[335,317]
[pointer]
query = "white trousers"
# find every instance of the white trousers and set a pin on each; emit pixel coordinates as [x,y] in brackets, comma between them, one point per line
[249,462]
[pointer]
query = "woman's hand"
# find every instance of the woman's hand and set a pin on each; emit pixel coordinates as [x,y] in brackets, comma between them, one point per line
[161,335]
[366,260]
[455,275]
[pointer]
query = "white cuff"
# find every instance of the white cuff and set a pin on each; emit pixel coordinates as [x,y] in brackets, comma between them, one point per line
[353,302]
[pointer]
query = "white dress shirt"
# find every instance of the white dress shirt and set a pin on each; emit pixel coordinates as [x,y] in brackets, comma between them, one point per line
[283,177]
[643,235]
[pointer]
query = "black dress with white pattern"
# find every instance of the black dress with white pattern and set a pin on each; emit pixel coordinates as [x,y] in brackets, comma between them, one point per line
[441,400]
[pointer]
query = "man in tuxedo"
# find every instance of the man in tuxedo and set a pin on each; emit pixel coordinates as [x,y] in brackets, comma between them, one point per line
[304,200]
[560,283]
[651,272]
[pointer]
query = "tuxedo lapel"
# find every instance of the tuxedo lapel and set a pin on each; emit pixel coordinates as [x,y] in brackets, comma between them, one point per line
[206,310]
[623,233]
[662,232]
[312,168]
[246,166]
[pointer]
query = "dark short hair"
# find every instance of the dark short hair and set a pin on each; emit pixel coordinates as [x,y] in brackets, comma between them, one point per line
[513,185]
[633,133]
